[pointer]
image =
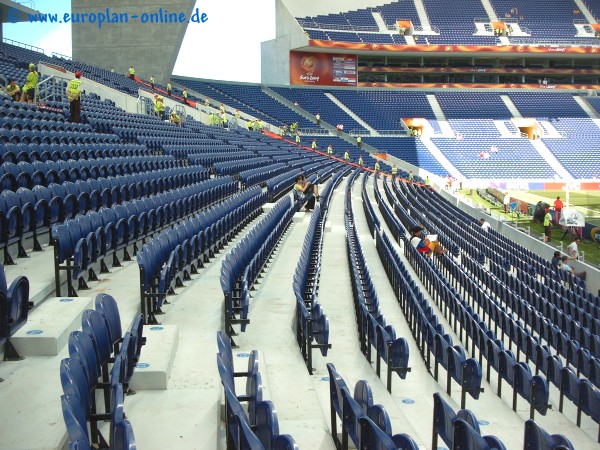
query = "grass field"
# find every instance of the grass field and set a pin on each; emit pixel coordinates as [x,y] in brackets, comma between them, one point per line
[587,201]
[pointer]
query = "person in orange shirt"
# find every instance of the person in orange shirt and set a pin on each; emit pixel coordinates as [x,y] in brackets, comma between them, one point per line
[558,206]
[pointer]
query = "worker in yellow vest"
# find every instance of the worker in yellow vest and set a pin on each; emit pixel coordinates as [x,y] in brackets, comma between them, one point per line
[184,94]
[411,176]
[175,118]
[31,82]
[152,81]
[347,155]
[74,96]
[222,108]
[377,167]
[237,114]
[249,125]
[427,182]
[318,117]
[394,171]
[132,72]
[329,150]
[360,161]
[358,141]
[297,137]
[224,120]
[207,101]
[314,144]
[159,107]
[169,89]
[13,90]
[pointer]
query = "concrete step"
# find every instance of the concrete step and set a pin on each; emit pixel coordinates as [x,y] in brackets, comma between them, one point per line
[48,327]
[156,359]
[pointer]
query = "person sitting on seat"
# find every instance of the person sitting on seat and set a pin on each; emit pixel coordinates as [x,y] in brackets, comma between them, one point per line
[417,241]
[309,191]
[175,118]
[567,268]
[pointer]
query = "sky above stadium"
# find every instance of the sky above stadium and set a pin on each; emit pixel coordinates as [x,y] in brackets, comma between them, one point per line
[225,47]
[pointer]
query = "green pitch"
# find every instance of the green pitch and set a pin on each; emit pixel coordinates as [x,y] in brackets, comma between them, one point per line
[587,201]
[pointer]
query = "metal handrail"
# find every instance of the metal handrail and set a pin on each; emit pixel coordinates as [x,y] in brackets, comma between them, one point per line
[420,29]
[60,55]
[48,88]
[22,44]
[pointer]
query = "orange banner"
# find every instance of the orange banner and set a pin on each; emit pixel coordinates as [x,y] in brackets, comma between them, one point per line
[479,86]
[477,70]
[595,26]
[498,25]
[322,69]
[362,46]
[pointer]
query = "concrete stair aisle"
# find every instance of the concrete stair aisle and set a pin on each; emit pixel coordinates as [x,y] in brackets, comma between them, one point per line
[423,17]
[584,104]
[545,153]
[380,22]
[489,9]
[585,11]
[351,113]
[511,106]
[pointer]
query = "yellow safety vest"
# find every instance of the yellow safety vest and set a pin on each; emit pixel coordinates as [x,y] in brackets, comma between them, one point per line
[151,80]
[185,95]
[31,81]
[73,88]
[158,106]
[131,71]
[394,171]
[329,150]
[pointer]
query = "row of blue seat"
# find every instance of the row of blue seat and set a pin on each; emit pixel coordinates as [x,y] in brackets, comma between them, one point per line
[169,258]
[281,184]
[261,174]
[85,373]
[211,156]
[423,321]
[365,423]
[26,136]
[14,309]
[244,263]
[578,345]
[15,153]
[523,339]
[238,166]
[582,392]
[373,331]
[311,323]
[24,174]
[88,239]
[33,212]
[258,428]
[12,122]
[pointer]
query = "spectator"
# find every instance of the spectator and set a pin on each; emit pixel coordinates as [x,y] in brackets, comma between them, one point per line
[360,161]
[547,226]
[485,225]
[74,96]
[556,261]
[567,268]
[434,246]
[31,82]
[14,90]
[132,72]
[417,241]
[573,248]
[309,192]
[329,150]
[558,206]
[347,155]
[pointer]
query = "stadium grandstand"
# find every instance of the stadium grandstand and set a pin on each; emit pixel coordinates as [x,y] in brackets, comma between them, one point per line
[367,240]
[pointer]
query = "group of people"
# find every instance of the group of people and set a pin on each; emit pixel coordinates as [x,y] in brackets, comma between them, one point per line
[217,119]
[426,245]
[255,125]
[27,93]
[561,262]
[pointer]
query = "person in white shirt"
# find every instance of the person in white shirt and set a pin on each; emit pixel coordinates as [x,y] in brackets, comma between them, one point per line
[485,225]
[573,249]
[506,201]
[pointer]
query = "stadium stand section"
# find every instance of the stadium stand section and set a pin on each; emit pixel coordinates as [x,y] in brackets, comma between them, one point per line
[209,214]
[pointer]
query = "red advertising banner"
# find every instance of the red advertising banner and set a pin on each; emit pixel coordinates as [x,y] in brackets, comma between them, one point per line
[479,86]
[362,46]
[322,69]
